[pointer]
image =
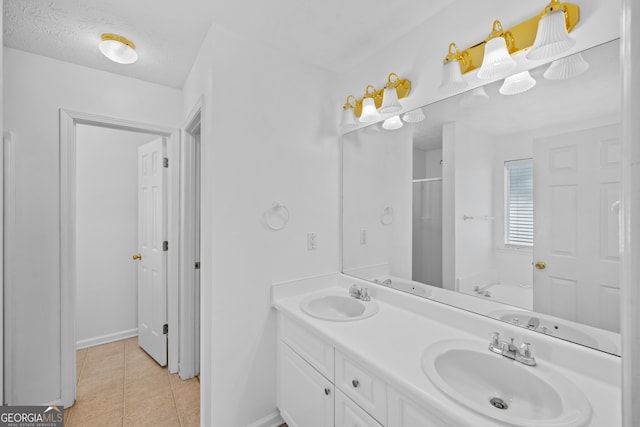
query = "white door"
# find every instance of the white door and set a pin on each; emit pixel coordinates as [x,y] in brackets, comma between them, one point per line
[576,198]
[152,270]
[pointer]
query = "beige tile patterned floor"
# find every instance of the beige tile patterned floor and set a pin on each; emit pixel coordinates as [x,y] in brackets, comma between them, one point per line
[120,385]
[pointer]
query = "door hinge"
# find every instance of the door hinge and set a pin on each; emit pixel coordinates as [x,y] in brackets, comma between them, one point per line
[165,328]
[197,265]
[165,162]
[165,246]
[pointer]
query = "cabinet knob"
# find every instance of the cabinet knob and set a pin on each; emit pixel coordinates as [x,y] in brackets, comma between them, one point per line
[355,383]
[327,391]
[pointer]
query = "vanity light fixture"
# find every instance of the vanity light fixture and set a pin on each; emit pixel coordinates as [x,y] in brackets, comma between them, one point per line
[118,49]
[552,36]
[497,61]
[566,68]
[348,119]
[374,101]
[518,83]
[454,62]
[392,123]
[547,39]
[414,116]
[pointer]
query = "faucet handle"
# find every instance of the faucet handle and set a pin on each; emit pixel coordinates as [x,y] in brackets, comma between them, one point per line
[364,294]
[495,339]
[526,350]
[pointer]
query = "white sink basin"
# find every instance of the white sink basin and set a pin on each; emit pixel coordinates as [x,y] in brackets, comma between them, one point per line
[338,307]
[503,389]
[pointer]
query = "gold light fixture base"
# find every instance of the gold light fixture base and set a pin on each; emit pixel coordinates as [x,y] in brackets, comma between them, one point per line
[519,37]
[118,38]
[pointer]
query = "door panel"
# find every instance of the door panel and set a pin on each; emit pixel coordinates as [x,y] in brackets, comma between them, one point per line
[152,270]
[576,198]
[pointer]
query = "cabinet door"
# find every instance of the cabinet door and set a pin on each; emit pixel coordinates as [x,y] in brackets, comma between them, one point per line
[348,414]
[405,413]
[305,398]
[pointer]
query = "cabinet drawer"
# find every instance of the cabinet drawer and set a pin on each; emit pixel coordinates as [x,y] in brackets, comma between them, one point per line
[348,414]
[362,386]
[308,345]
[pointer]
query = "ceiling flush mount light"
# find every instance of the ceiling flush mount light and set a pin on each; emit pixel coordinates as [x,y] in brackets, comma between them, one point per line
[549,36]
[454,62]
[118,49]
[374,101]
[415,116]
[566,68]
[517,83]
[552,36]
[497,61]
[392,123]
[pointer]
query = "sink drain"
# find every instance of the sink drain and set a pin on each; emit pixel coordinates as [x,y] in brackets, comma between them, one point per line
[496,402]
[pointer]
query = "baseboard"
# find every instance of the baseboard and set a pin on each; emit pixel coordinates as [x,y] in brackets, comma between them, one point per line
[104,339]
[272,420]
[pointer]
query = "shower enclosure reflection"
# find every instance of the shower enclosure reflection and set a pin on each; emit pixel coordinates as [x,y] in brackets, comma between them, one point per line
[503,205]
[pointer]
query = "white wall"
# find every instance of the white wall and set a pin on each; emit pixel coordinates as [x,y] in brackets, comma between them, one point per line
[106,233]
[35,88]
[266,137]
[472,196]
[377,173]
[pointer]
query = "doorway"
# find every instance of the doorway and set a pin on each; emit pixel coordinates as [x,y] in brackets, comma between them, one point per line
[69,120]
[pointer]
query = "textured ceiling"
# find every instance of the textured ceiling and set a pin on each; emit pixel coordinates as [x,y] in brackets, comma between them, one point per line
[167,34]
[332,34]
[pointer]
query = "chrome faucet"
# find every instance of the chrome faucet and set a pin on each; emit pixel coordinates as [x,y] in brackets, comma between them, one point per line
[533,323]
[523,354]
[361,294]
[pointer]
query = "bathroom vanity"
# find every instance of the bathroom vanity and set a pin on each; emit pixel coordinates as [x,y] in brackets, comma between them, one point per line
[403,361]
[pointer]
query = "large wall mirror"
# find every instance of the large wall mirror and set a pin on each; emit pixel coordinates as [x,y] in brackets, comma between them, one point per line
[504,205]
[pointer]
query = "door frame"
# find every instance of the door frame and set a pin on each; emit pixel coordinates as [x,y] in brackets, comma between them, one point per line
[189,321]
[68,121]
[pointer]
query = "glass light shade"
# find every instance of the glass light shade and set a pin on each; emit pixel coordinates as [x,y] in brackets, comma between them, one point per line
[474,98]
[566,68]
[390,103]
[118,51]
[452,80]
[415,116]
[497,62]
[369,112]
[552,37]
[392,123]
[348,119]
[517,83]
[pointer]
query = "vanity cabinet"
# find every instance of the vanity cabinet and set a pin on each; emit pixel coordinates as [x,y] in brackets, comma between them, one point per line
[319,386]
[305,397]
[348,414]
[403,412]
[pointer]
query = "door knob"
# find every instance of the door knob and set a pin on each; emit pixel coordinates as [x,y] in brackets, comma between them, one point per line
[540,265]
[137,257]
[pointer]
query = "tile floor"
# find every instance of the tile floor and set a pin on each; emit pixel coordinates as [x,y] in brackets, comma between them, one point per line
[120,385]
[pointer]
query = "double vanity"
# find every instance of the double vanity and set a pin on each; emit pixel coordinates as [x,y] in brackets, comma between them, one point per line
[353,353]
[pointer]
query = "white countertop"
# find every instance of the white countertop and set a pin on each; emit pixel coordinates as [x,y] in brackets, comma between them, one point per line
[391,344]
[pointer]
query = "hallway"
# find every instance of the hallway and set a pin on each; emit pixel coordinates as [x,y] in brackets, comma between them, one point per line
[118,384]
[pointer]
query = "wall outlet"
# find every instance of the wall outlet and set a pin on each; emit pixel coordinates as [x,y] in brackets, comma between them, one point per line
[363,237]
[312,241]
